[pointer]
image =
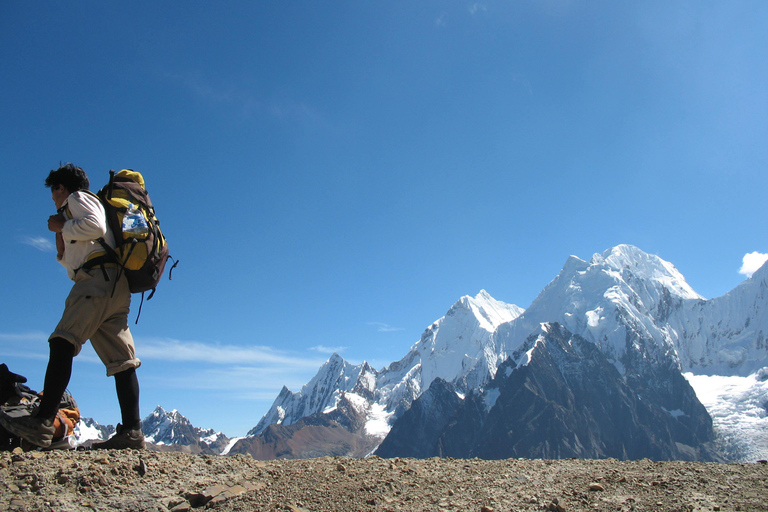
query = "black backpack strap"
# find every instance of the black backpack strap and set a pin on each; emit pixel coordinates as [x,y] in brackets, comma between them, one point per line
[170,272]
[141,304]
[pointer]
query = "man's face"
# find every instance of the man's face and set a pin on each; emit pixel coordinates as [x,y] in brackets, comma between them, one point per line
[59,194]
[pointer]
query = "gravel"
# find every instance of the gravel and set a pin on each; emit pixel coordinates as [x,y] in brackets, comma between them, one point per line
[155,481]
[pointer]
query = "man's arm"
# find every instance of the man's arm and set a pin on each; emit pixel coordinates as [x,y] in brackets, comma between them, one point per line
[60,246]
[88,220]
[55,224]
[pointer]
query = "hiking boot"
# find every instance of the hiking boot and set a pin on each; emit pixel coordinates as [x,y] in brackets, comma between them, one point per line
[35,430]
[123,439]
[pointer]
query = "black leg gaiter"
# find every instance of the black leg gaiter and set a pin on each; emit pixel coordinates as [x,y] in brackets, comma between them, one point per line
[127,386]
[57,377]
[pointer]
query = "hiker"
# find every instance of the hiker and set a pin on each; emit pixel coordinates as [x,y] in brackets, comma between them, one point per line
[96,309]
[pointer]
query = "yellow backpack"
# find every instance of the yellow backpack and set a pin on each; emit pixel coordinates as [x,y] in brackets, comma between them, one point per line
[141,249]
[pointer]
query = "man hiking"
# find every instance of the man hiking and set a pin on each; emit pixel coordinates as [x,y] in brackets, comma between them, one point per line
[96,309]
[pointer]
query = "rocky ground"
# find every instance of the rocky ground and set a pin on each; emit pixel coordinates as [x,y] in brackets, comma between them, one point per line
[148,480]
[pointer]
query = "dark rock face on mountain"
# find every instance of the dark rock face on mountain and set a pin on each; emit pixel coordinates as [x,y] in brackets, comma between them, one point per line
[656,378]
[418,431]
[557,397]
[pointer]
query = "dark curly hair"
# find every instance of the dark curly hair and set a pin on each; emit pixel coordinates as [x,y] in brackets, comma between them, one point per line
[71,176]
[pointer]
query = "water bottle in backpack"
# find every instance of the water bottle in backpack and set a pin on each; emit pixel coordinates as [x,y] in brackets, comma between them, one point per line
[134,222]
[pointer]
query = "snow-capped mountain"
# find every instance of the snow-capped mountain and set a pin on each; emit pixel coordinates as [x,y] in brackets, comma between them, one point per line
[162,427]
[321,394]
[163,430]
[88,429]
[625,293]
[636,308]
[618,295]
[459,348]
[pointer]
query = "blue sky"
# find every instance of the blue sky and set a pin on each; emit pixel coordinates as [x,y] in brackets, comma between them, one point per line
[335,175]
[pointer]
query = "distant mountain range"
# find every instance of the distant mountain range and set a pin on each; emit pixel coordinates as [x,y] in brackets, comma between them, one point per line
[592,368]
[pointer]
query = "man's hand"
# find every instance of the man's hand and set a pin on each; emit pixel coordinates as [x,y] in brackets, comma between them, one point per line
[56,222]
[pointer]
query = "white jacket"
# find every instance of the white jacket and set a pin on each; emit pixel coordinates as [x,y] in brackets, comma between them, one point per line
[86,223]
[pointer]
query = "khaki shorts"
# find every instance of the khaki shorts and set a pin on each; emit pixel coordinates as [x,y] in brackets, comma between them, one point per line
[92,312]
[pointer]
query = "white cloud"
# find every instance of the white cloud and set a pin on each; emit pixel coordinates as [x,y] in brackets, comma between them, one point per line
[264,365]
[474,8]
[248,382]
[214,353]
[39,243]
[382,327]
[240,99]
[252,372]
[752,262]
[25,337]
[328,350]
[29,345]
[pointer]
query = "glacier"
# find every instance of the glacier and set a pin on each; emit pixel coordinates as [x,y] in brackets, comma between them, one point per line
[739,409]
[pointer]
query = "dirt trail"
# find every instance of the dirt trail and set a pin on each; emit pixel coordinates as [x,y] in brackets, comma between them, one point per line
[147,480]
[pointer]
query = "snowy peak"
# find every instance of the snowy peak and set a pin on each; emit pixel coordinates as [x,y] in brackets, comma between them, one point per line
[88,429]
[459,348]
[161,427]
[321,394]
[631,261]
[489,312]
[466,326]
[567,401]
[622,300]
[173,416]
[637,307]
